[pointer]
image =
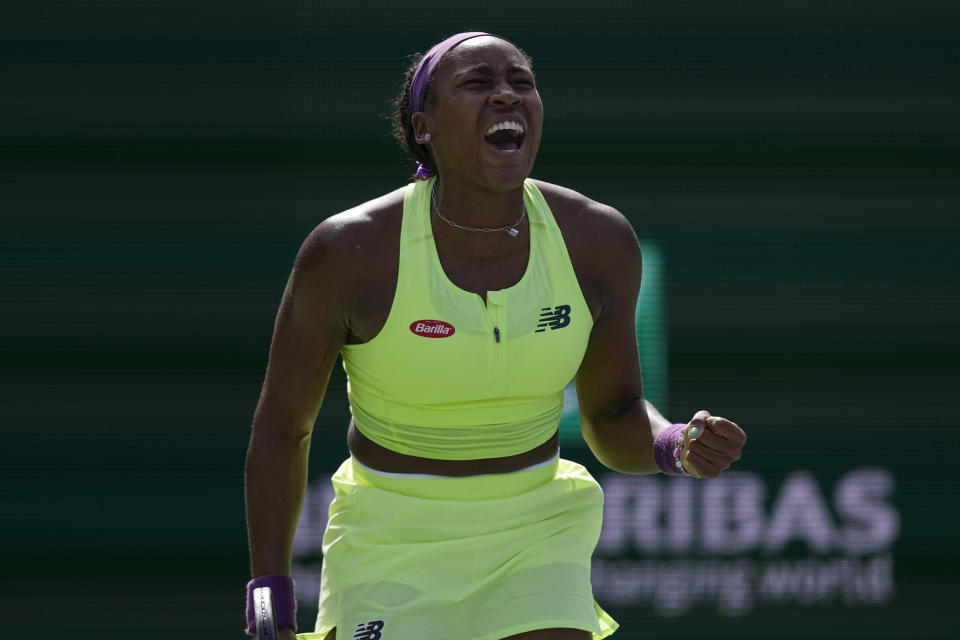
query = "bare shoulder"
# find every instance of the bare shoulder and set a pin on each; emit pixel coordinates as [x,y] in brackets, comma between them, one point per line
[356,230]
[600,241]
[349,244]
[347,267]
[578,215]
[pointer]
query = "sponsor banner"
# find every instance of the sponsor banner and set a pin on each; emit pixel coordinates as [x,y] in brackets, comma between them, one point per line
[675,543]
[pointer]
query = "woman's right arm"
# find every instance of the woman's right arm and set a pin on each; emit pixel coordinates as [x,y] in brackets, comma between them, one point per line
[310,328]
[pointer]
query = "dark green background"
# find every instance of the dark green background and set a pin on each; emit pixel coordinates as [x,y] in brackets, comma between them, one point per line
[796,163]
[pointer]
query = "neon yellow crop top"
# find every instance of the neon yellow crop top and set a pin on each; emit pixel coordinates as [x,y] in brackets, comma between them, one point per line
[452,378]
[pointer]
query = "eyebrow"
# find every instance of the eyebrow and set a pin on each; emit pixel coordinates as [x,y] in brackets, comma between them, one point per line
[486,69]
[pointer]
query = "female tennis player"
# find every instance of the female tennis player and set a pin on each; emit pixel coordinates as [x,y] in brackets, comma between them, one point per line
[462,304]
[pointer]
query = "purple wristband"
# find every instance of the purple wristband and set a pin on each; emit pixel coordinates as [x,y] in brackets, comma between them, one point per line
[666,450]
[284,601]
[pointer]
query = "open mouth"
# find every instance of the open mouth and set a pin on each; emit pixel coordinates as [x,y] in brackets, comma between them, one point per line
[506,137]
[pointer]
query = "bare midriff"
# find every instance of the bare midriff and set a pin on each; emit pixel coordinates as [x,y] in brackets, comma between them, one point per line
[375,456]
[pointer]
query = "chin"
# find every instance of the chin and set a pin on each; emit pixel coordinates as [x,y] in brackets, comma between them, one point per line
[505,176]
[504,180]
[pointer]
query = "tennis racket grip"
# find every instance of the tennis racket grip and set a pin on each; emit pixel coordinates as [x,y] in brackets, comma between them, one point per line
[263,610]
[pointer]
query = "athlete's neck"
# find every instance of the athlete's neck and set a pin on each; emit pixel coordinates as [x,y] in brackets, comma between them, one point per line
[471,206]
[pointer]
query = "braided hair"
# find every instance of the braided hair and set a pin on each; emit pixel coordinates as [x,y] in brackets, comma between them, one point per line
[402,127]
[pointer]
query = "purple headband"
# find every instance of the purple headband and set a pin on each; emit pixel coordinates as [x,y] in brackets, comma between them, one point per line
[418,86]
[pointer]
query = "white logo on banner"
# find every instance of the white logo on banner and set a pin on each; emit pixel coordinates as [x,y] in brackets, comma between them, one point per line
[714,541]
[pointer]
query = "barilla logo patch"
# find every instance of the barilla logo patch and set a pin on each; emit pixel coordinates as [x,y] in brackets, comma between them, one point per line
[432,328]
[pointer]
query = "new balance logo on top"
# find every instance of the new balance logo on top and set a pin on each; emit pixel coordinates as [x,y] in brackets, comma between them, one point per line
[369,630]
[556,318]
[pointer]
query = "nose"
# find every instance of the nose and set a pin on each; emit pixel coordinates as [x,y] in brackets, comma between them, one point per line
[503,94]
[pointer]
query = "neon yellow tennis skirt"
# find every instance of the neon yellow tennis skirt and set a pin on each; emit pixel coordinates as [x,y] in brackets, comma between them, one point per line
[410,557]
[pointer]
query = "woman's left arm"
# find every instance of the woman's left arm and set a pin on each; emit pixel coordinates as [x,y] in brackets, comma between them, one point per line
[618,424]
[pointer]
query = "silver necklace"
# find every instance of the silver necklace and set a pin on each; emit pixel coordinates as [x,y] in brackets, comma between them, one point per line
[510,228]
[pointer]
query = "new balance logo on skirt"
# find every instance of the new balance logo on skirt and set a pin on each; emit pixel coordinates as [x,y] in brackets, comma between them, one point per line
[369,630]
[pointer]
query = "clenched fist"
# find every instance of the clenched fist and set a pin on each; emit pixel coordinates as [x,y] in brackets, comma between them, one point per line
[711,445]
